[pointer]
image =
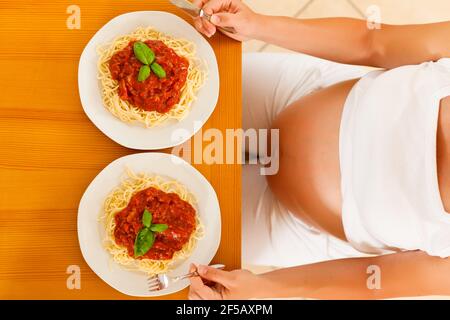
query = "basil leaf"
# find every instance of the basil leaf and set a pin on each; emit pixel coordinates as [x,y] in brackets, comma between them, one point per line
[144,73]
[144,241]
[147,218]
[158,70]
[159,227]
[143,53]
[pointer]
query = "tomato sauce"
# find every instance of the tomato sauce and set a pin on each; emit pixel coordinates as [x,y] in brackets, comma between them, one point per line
[166,208]
[153,94]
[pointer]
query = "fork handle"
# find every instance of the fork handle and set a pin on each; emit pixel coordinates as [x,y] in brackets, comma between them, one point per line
[195,273]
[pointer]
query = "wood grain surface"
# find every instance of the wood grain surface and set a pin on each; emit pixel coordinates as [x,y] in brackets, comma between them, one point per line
[50,151]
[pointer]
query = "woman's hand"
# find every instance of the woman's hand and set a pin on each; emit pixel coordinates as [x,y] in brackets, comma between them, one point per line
[214,284]
[227,13]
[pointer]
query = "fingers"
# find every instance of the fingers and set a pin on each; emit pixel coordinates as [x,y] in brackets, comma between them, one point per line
[198,290]
[212,6]
[224,278]
[196,282]
[203,293]
[205,27]
[209,28]
[196,285]
[199,3]
[193,296]
[199,25]
[223,19]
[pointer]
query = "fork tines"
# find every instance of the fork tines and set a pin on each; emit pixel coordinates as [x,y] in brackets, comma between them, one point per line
[153,283]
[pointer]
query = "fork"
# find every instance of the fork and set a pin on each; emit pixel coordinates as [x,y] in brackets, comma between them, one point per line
[163,281]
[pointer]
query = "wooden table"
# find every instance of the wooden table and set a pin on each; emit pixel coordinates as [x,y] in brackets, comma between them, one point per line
[50,151]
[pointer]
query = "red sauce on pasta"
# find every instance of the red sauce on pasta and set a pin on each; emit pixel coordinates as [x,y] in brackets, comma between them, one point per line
[166,208]
[153,94]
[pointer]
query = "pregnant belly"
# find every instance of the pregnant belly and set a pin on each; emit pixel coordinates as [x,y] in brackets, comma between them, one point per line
[443,152]
[308,181]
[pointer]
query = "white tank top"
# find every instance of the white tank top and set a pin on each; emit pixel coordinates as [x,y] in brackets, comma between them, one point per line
[391,198]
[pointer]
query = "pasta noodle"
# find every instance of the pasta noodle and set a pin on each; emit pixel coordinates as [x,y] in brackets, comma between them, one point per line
[124,110]
[119,198]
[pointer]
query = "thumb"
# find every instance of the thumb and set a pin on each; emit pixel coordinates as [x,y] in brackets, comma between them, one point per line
[219,276]
[223,19]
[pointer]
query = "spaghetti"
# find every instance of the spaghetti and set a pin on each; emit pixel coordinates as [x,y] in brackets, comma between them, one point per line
[127,112]
[120,198]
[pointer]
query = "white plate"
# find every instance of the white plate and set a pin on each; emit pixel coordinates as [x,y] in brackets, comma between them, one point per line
[91,231]
[135,135]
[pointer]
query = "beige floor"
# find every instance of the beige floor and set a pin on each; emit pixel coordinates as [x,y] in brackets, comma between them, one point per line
[392,11]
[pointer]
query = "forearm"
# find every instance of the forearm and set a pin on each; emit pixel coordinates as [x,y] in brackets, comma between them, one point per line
[337,39]
[350,41]
[401,275]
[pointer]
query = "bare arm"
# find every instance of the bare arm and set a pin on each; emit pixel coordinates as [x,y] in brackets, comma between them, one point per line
[342,40]
[404,274]
[351,41]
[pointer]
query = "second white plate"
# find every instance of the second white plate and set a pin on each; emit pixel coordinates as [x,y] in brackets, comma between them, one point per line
[91,231]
